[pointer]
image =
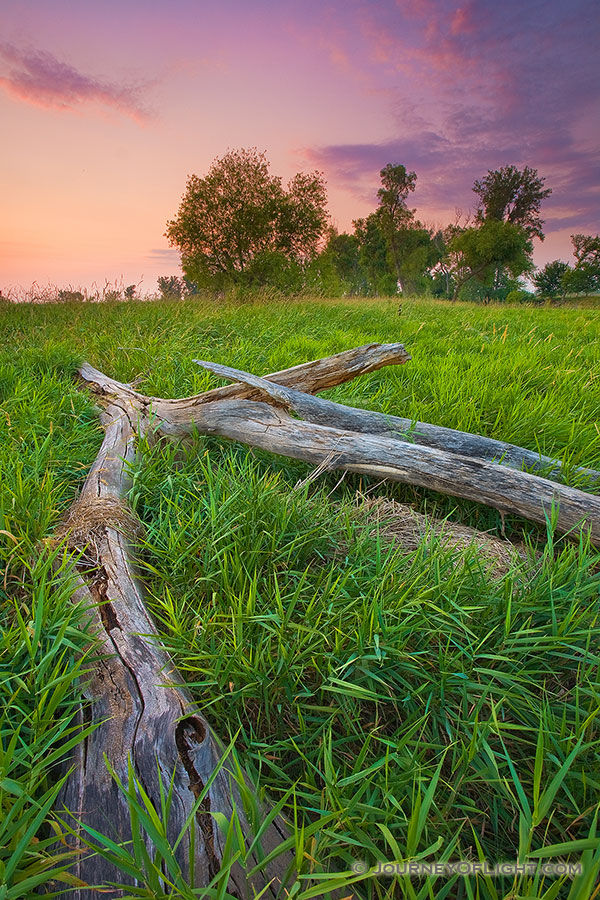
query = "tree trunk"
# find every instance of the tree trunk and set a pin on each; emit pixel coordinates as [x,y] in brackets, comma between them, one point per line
[260,425]
[144,711]
[325,412]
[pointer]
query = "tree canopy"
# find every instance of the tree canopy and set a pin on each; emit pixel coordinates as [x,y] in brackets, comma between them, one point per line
[483,252]
[239,226]
[498,247]
[396,250]
[559,278]
[549,281]
[511,195]
[232,223]
[584,278]
[586,249]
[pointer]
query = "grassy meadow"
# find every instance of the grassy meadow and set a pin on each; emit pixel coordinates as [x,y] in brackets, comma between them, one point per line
[401,706]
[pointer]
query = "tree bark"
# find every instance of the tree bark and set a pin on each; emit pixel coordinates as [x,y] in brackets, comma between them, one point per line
[141,705]
[143,709]
[365,421]
[261,425]
[472,478]
[176,417]
[313,377]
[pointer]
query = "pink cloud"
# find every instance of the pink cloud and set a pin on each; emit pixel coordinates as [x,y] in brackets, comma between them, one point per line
[39,78]
[463,21]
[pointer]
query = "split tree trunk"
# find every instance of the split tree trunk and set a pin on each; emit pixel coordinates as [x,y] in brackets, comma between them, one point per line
[144,709]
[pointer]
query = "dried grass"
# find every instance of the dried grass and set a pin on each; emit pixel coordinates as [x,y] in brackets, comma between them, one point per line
[86,521]
[400,524]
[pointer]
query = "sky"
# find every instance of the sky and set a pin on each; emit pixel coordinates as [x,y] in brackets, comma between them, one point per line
[107,107]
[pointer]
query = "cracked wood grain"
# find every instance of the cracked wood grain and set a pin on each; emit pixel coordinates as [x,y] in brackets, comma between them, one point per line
[141,704]
[144,712]
[365,421]
[508,490]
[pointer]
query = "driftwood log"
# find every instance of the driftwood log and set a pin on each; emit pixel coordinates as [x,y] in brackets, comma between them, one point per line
[144,710]
[336,437]
[177,417]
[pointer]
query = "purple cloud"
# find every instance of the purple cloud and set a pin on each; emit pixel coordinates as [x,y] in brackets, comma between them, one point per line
[39,78]
[446,172]
[477,87]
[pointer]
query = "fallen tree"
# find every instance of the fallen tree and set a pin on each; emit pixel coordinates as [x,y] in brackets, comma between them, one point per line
[140,705]
[144,711]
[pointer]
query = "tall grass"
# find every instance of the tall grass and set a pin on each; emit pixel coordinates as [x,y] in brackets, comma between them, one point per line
[367,679]
[398,706]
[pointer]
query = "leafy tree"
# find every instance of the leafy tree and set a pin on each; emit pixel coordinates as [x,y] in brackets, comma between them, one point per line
[171,287]
[479,253]
[584,278]
[342,253]
[68,295]
[550,281]
[509,199]
[374,256]
[580,280]
[396,185]
[444,272]
[232,221]
[395,249]
[419,253]
[514,196]
[393,214]
[586,250]
[321,278]
[279,270]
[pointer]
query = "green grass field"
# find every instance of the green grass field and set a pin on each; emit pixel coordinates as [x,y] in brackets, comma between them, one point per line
[416,704]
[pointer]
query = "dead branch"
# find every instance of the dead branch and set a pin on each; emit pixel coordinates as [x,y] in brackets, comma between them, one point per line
[365,421]
[261,425]
[141,703]
[143,710]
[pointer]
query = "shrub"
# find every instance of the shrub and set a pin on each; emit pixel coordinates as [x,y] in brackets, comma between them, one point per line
[519,296]
[70,296]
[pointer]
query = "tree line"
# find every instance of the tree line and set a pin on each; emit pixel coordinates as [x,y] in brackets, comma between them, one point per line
[239,228]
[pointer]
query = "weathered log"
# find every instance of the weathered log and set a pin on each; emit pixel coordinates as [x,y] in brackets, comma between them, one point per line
[314,376]
[365,421]
[501,487]
[508,490]
[310,378]
[143,709]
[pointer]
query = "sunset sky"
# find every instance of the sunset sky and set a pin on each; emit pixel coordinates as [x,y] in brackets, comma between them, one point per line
[106,108]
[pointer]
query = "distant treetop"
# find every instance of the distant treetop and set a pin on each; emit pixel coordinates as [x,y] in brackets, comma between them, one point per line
[511,195]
